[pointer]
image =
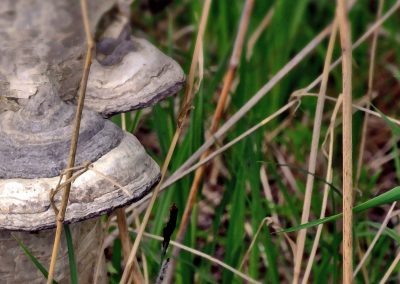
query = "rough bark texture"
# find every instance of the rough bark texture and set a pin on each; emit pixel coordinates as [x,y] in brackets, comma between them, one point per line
[17,268]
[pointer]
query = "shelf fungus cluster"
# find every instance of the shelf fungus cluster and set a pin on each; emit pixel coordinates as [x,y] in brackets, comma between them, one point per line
[41,65]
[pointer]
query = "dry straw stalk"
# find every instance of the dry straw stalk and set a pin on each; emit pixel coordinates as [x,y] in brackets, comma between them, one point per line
[74,140]
[345,41]
[233,64]
[185,109]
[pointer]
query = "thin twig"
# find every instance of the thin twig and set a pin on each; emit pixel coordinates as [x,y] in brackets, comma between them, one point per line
[233,64]
[374,241]
[329,174]
[61,185]
[123,233]
[390,269]
[237,139]
[345,41]
[144,260]
[267,221]
[369,95]
[74,139]
[185,109]
[97,270]
[258,31]
[365,128]
[301,237]
[356,106]
[253,241]
[360,254]
[205,256]
[274,215]
[287,173]
[123,229]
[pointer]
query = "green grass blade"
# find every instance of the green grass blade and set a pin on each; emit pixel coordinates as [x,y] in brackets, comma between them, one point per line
[135,121]
[391,233]
[33,259]
[393,127]
[318,178]
[71,256]
[385,198]
[312,223]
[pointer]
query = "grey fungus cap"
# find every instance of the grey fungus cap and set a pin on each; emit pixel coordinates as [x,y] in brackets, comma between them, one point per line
[25,203]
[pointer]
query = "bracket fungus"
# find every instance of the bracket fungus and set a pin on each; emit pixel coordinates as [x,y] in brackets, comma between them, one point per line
[41,65]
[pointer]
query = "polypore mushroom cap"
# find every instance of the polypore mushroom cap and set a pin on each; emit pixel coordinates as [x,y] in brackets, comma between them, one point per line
[143,77]
[34,140]
[25,203]
[131,74]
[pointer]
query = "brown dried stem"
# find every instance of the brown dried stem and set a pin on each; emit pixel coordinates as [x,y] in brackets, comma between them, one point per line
[123,230]
[301,237]
[375,240]
[390,269]
[369,95]
[74,139]
[239,138]
[185,109]
[233,64]
[365,123]
[329,175]
[345,41]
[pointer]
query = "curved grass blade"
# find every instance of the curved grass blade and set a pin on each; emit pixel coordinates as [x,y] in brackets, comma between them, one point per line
[385,198]
[71,256]
[393,127]
[317,177]
[34,260]
[391,233]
